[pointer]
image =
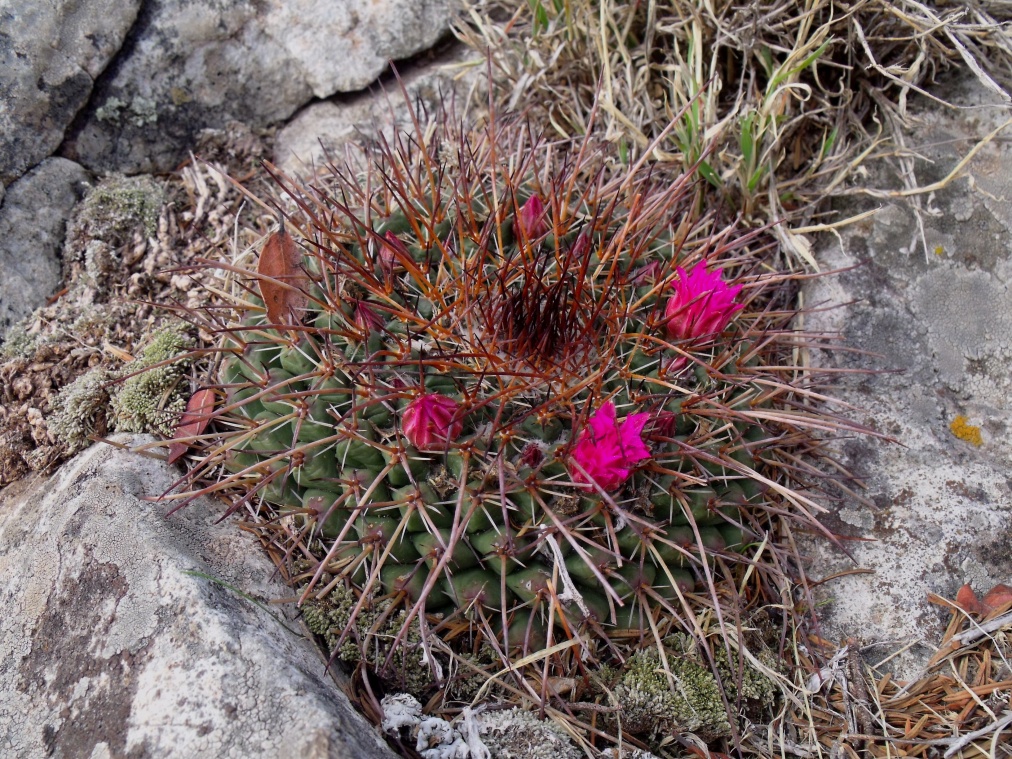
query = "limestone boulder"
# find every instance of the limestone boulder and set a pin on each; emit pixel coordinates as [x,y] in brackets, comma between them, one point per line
[51,53]
[131,632]
[925,310]
[320,131]
[191,66]
[33,222]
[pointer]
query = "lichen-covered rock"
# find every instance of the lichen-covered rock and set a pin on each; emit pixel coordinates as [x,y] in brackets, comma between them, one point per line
[120,621]
[196,66]
[935,327]
[33,220]
[323,129]
[50,55]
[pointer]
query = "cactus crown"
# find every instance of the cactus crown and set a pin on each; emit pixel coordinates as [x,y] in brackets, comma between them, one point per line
[504,393]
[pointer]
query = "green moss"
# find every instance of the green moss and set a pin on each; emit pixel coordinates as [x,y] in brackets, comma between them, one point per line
[152,397]
[79,409]
[370,638]
[113,210]
[654,702]
[755,687]
[18,343]
[465,682]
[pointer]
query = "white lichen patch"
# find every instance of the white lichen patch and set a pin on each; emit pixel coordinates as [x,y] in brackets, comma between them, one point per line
[519,734]
[434,738]
[960,333]
[400,710]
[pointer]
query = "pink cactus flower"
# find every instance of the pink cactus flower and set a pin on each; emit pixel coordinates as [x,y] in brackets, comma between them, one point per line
[531,219]
[607,450]
[431,421]
[702,304]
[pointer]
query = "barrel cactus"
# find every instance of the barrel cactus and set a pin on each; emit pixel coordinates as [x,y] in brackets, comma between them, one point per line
[513,393]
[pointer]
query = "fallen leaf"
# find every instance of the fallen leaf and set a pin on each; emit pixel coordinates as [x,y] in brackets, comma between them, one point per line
[193,421]
[966,600]
[997,597]
[282,279]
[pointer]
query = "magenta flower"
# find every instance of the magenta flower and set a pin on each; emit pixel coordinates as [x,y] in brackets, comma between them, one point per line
[431,421]
[531,220]
[607,450]
[702,304]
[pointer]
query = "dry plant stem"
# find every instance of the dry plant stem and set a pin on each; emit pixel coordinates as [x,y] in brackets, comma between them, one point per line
[955,745]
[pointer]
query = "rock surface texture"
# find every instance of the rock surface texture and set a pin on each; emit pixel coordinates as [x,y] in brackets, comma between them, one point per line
[189,66]
[129,87]
[50,56]
[323,129]
[33,220]
[114,642]
[940,502]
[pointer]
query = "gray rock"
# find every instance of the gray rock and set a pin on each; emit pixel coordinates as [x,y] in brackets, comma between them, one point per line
[195,66]
[940,502]
[115,642]
[33,221]
[50,55]
[323,129]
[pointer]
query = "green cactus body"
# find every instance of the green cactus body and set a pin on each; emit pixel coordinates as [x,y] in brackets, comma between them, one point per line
[439,404]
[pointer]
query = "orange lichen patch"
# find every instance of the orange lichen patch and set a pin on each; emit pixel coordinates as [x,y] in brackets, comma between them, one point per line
[961,428]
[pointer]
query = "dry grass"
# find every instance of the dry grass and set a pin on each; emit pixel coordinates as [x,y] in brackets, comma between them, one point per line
[777,102]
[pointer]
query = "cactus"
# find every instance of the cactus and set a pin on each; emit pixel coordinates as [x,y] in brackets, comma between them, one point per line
[517,398]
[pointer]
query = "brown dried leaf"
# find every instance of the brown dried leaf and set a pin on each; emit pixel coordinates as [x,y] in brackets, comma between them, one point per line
[966,600]
[193,421]
[282,279]
[996,598]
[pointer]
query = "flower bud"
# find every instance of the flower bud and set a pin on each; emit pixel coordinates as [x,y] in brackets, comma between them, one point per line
[431,421]
[531,220]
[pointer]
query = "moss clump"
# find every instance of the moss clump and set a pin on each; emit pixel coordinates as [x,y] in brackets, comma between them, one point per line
[78,411]
[18,342]
[152,397]
[465,681]
[627,753]
[519,734]
[113,211]
[748,684]
[685,698]
[370,638]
